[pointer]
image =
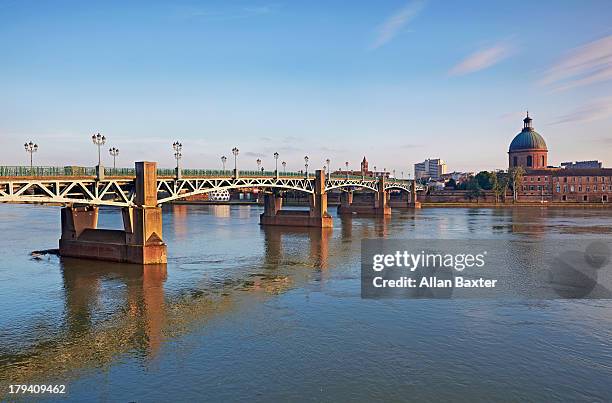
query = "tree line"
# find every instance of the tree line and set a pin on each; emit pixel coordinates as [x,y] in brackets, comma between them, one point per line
[499,182]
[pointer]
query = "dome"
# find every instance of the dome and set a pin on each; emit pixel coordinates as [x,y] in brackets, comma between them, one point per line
[528,139]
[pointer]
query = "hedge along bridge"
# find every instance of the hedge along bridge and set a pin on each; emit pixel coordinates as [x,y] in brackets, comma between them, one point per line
[140,192]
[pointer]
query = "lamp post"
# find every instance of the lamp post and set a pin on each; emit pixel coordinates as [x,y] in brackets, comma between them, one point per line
[223,161]
[375,175]
[284,164]
[178,147]
[258,163]
[235,151]
[31,148]
[114,152]
[328,161]
[276,164]
[346,164]
[306,165]
[99,140]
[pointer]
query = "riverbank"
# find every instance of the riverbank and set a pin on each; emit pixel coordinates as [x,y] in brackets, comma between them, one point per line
[514,205]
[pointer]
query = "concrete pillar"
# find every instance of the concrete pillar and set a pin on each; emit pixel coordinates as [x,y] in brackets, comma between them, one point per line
[316,216]
[272,204]
[414,203]
[318,201]
[382,198]
[144,240]
[77,219]
[346,198]
[140,241]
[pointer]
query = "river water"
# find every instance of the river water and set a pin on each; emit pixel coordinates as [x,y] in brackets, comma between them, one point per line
[242,312]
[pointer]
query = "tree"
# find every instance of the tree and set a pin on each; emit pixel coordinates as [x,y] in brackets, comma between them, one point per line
[484,180]
[499,182]
[516,176]
[474,191]
[451,184]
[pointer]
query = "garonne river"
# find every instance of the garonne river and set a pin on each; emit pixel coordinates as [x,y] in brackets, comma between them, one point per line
[245,312]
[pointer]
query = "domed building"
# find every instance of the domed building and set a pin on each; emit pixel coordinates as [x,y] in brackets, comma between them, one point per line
[528,149]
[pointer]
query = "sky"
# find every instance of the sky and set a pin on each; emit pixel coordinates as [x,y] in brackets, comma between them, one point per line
[395,81]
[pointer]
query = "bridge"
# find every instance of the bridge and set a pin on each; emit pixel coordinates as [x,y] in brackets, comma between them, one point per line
[140,192]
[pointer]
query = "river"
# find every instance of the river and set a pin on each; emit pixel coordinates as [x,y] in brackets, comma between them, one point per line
[243,312]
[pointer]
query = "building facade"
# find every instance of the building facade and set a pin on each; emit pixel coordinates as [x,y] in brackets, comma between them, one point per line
[430,169]
[581,182]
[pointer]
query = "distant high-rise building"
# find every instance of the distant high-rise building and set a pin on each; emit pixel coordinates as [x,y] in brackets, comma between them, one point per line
[430,168]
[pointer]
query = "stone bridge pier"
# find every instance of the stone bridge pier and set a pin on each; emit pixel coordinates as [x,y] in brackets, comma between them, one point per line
[317,215]
[139,242]
[380,207]
[407,200]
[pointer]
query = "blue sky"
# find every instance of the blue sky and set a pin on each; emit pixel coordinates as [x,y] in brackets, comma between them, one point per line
[397,81]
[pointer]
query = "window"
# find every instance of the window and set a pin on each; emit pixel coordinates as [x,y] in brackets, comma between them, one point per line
[564,198]
[514,161]
[585,198]
[580,188]
[604,198]
[572,188]
[539,179]
[529,161]
[531,187]
[565,179]
[559,189]
[542,163]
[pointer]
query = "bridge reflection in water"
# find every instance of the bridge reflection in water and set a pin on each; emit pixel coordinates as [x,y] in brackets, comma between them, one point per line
[114,310]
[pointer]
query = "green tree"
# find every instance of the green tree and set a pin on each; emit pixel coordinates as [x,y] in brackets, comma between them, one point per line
[484,180]
[516,176]
[451,184]
[474,191]
[499,182]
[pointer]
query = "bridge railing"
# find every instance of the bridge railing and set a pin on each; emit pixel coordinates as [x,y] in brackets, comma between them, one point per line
[45,171]
[41,171]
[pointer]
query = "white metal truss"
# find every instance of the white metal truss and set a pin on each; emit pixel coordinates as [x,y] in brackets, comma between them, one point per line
[120,192]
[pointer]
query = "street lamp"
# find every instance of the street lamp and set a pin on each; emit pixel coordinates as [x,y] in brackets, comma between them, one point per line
[374,174]
[258,163]
[99,140]
[114,152]
[178,147]
[284,164]
[276,164]
[31,148]
[328,161]
[306,165]
[223,161]
[235,151]
[346,164]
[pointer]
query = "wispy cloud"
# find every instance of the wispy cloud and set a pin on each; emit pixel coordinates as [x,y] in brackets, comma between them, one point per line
[584,65]
[483,59]
[396,22]
[596,110]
